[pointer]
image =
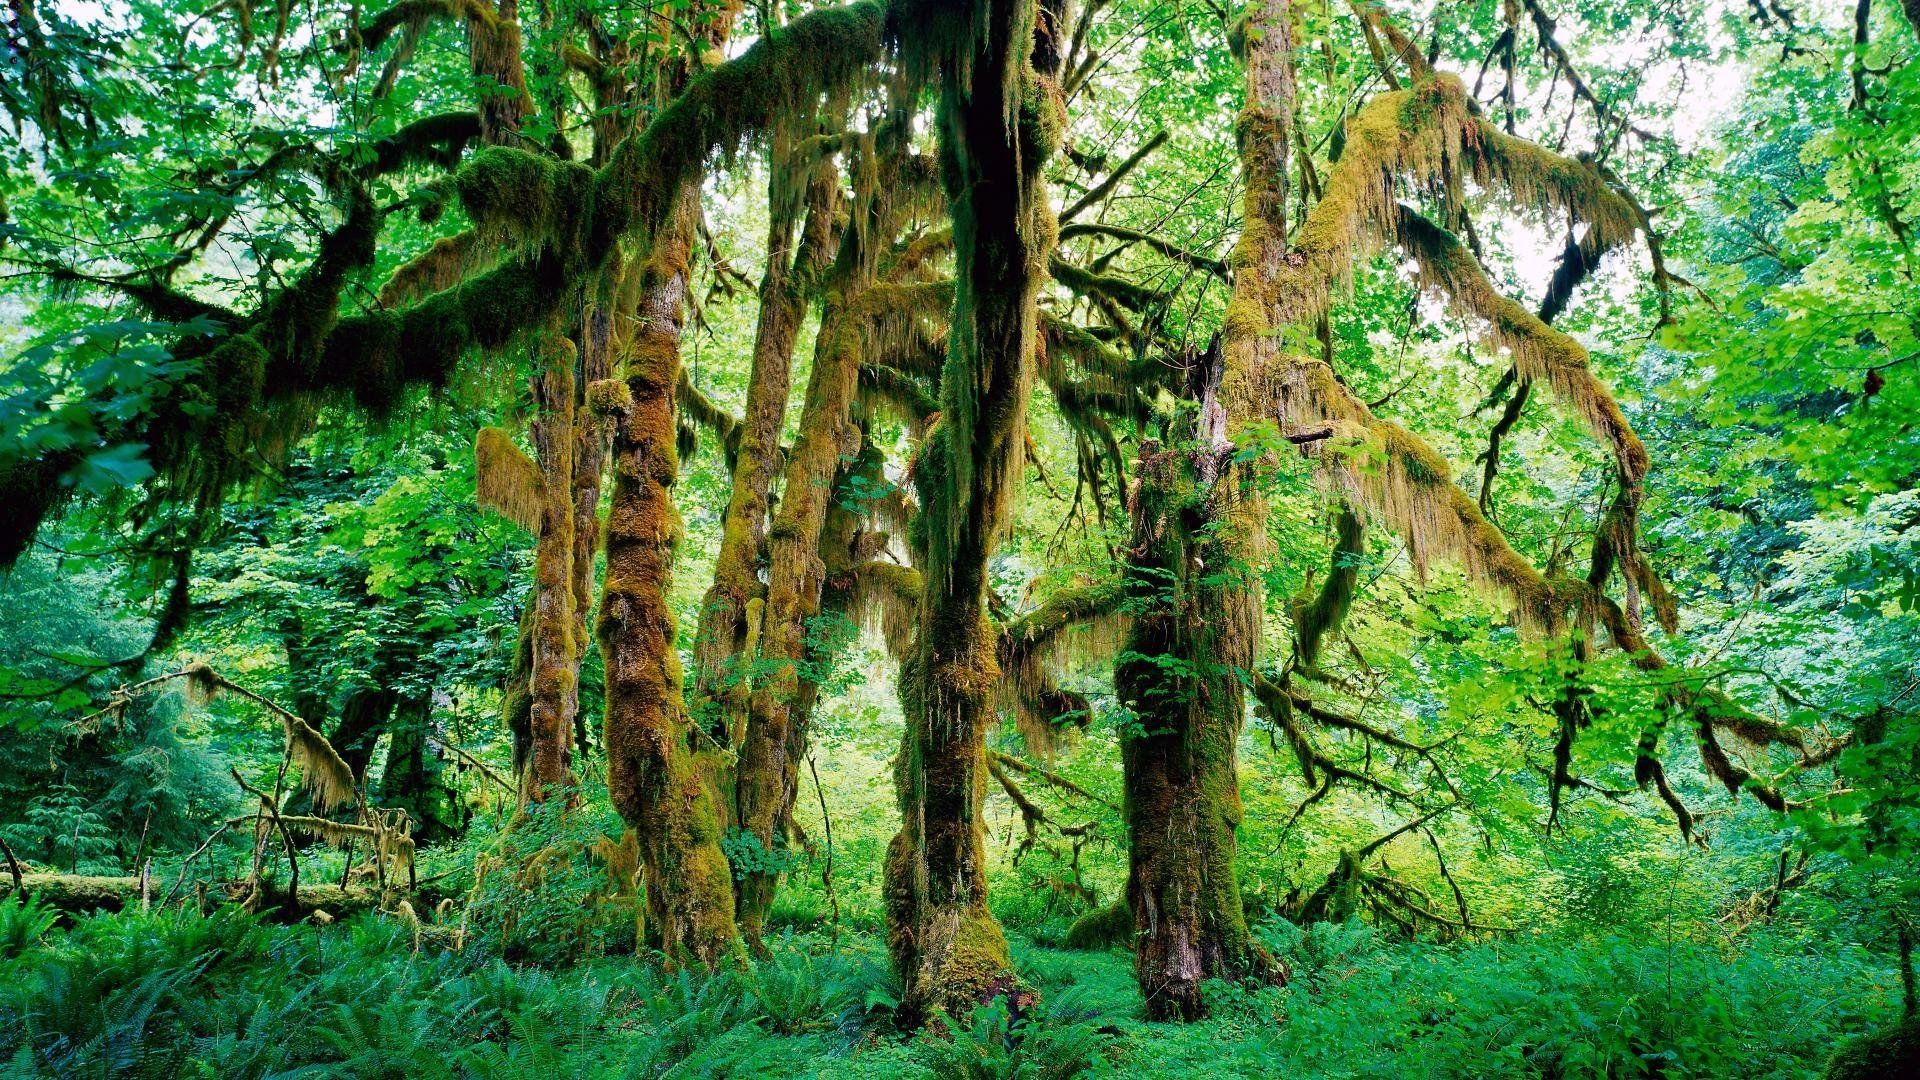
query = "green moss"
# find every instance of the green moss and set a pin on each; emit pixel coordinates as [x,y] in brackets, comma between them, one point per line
[1101,928]
[1244,317]
[534,198]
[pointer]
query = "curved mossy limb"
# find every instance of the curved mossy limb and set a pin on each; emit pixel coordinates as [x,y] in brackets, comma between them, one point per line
[78,894]
[257,388]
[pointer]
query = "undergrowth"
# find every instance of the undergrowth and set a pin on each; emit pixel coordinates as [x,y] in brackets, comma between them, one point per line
[169,995]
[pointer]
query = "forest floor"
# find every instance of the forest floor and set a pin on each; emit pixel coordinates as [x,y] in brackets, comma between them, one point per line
[181,995]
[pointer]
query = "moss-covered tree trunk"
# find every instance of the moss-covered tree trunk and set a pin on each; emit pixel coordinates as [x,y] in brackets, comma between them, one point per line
[555,656]
[414,779]
[796,575]
[998,121]
[1188,649]
[551,631]
[654,774]
[1199,530]
[802,194]
[363,719]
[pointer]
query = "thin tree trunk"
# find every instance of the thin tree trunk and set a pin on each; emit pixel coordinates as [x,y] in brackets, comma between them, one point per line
[946,945]
[796,575]
[552,631]
[556,657]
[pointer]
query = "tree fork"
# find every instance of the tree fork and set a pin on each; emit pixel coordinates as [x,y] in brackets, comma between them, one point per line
[730,621]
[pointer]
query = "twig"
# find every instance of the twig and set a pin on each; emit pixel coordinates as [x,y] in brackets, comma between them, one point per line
[473,761]
[826,870]
[181,880]
[1054,778]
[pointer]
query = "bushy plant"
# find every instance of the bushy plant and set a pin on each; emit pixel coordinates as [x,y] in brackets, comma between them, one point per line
[1001,1041]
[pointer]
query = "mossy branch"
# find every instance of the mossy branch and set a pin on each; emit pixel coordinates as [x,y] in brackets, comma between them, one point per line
[1163,246]
[1112,180]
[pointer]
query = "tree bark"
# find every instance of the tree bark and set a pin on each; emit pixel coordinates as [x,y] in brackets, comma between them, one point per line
[792,272]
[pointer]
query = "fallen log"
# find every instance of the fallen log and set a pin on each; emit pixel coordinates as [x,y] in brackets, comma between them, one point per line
[81,894]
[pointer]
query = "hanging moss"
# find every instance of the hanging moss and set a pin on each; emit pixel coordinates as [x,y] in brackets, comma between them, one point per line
[1328,610]
[993,142]
[1395,475]
[789,68]
[506,480]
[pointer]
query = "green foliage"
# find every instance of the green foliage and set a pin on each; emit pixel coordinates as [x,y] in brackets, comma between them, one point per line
[747,855]
[23,923]
[1000,1041]
[540,893]
[1890,1052]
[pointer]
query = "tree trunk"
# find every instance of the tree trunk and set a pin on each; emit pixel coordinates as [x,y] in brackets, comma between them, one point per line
[516,697]
[363,717]
[1190,649]
[1199,533]
[796,575]
[653,772]
[946,945]
[721,654]
[414,778]
[556,658]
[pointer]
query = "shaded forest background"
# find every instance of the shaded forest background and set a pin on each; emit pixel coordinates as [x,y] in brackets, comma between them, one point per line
[960,539]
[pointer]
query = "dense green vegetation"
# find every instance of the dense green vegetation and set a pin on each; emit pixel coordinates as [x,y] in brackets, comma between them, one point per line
[960,538]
